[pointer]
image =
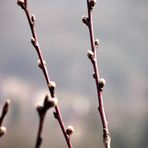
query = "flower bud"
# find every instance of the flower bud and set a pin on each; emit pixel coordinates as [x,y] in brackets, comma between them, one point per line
[85,20]
[90,55]
[92,3]
[3,131]
[34,42]
[102,83]
[97,43]
[69,130]
[33,18]
[21,3]
[52,86]
[40,65]
[94,75]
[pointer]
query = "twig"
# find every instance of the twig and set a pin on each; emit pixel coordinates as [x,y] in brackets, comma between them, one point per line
[51,85]
[4,113]
[88,21]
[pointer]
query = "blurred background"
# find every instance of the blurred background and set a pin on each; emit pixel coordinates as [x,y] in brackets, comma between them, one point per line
[121,26]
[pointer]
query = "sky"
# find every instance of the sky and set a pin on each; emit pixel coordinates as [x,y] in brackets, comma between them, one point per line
[121,27]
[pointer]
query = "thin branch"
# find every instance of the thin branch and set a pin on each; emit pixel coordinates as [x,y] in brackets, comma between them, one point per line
[99,82]
[50,84]
[3,114]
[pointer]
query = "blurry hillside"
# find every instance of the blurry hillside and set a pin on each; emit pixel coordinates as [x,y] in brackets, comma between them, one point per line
[122,29]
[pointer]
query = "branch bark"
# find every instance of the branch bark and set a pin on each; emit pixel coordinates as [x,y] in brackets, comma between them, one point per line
[88,21]
[50,84]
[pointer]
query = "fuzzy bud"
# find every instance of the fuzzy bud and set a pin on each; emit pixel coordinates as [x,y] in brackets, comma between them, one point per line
[85,20]
[34,42]
[102,83]
[39,109]
[97,43]
[90,55]
[92,3]
[52,86]
[3,131]
[69,130]
[40,65]
[94,75]
[55,115]
[21,3]
[33,18]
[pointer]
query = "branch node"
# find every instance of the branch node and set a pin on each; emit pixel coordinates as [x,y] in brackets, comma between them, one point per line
[49,103]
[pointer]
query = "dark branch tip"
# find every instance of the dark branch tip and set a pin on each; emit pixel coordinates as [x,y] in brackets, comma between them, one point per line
[39,142]
[6,107]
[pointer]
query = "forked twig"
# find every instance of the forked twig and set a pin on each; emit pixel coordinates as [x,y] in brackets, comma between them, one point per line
[88,21]
[51,85]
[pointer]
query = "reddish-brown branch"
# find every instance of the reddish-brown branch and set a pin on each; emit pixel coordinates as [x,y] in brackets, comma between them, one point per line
[34,40]
[92,56]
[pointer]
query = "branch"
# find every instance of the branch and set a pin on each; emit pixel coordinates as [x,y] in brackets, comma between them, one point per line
[5,109]
[88,21]
[50,84]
